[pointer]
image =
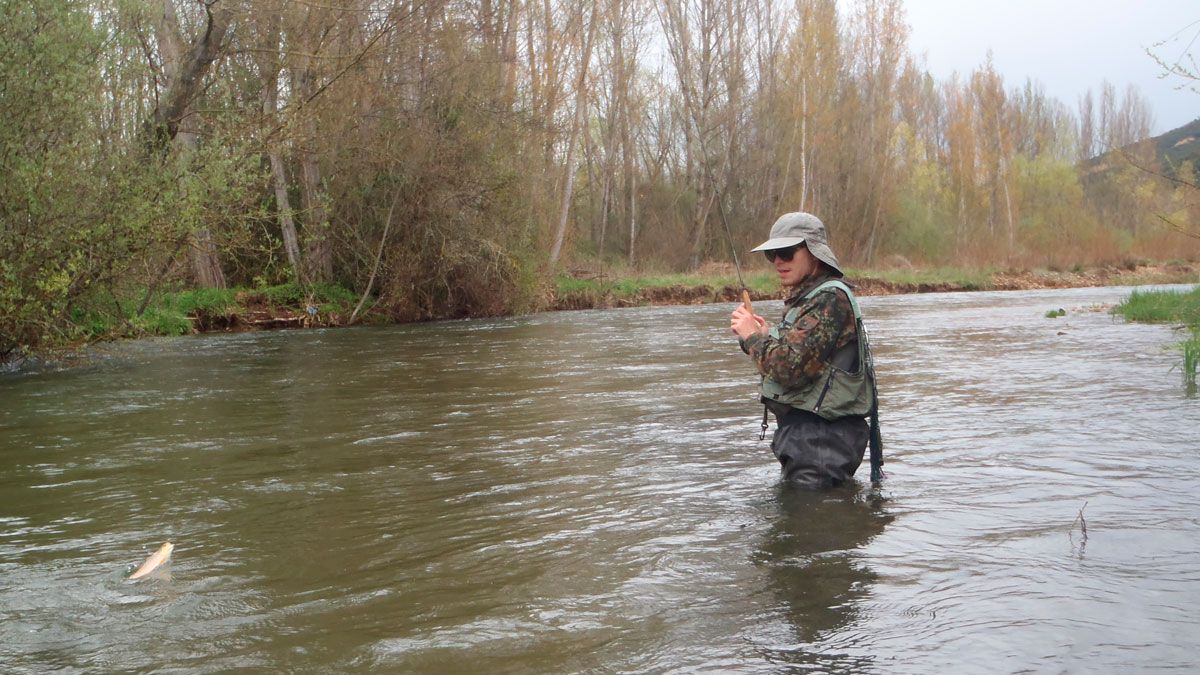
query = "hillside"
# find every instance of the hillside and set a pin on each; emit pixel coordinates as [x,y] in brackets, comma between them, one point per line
[1180,145]
[1172,148]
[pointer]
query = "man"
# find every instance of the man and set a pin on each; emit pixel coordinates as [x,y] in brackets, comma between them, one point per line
[817,375]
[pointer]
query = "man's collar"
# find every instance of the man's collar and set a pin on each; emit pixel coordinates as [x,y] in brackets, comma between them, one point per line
[806,287]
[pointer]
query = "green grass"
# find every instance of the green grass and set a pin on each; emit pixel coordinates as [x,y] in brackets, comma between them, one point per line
[1055,313]
[211,300]
[1162,307]
[160,320]
[170,313]
[975,279]
[1170,307]
[91,323]
[628,287]
[1191,358]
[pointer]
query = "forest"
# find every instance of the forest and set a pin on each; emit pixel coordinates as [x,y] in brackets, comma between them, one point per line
[439,158]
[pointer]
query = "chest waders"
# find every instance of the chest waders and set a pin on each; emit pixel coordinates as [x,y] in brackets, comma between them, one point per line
[841,390]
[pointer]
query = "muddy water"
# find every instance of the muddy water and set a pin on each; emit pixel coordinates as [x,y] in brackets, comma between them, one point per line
[586,491]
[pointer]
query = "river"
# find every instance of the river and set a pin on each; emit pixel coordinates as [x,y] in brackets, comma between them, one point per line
[585,491]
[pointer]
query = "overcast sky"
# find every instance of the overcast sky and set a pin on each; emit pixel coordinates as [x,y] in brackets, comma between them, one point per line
[1070,46]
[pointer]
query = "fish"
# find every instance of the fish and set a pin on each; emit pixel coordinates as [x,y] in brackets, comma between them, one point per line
[162,555]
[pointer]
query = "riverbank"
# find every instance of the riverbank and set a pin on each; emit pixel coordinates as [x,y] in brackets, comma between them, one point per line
[718,283]
[289,306]
[197,310]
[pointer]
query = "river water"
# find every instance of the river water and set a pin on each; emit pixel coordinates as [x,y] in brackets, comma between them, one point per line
[585,491]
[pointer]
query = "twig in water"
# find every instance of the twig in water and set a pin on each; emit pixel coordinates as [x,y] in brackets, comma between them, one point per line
[1082,528]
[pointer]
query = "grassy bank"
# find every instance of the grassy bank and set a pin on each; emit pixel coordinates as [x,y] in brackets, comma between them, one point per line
[721,283]
[600,290]
[1162,307]
[961,278]
[1170,307]
[184,311]
[584,289]
[214,309]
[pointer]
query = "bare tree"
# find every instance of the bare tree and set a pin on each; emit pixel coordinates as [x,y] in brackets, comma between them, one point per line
[581,97]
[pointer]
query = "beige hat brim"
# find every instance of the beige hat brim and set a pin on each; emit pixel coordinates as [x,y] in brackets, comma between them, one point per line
[778,242]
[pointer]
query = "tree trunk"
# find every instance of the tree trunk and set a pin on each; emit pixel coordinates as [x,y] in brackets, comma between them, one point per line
[625,65]
[183,74]
[269,65]
[318,253]
[287,224]
[206,261]
[632,224]
[580,109]
[804,143]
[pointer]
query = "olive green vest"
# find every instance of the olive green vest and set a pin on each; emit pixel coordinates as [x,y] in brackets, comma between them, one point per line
[844,388]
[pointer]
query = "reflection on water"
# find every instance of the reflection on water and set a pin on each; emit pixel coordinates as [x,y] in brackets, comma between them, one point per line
[586,491]
[817,570]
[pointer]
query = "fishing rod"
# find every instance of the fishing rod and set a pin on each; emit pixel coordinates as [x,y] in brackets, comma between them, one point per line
[737,265]
[732,247]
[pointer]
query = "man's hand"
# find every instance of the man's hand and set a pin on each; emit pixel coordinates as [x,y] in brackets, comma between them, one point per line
[745,324]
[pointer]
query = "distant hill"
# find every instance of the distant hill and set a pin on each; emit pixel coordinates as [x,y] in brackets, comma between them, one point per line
[1172,149]
[1180,145]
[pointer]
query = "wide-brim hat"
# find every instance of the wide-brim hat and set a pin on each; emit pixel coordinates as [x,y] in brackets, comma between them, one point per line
[801,228]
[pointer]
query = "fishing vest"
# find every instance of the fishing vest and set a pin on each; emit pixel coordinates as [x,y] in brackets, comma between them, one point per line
[845,387]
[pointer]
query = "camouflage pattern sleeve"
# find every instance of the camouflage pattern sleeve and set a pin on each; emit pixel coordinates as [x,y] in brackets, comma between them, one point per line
[826,323]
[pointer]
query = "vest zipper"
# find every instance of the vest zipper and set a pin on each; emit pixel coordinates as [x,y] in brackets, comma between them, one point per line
[824,390]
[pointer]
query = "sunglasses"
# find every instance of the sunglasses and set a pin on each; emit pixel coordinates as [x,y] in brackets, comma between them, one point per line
[784,254]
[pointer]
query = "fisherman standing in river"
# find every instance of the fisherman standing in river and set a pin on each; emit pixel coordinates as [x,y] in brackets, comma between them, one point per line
[817,375]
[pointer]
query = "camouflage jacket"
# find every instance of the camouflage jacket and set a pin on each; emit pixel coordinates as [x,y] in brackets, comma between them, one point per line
[825,325]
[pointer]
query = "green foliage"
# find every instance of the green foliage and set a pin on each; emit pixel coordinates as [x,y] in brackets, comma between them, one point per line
[93,324]
[176,313]
[47,157]
[173,313]
[566,284]
[1191,358]
[1161,307]
[209,300]
[334,294]
[297,295]
[162,320]
[290,293]
[918,236]
[973,279]
[924,226]
[1053,222]
[630,287]
[85,217]
[1055,313]
[1170,306]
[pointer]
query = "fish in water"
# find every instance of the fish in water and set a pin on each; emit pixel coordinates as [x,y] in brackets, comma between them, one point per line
[162,555]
